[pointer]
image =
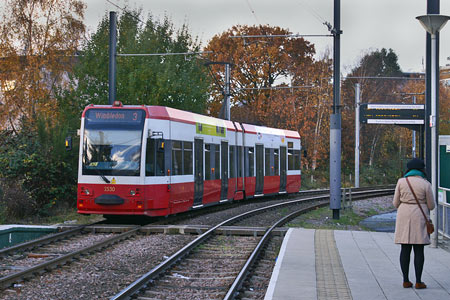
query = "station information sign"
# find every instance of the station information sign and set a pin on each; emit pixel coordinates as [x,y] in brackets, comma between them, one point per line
[394,114]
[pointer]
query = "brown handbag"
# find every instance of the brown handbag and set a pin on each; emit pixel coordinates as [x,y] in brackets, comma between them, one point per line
[430,226]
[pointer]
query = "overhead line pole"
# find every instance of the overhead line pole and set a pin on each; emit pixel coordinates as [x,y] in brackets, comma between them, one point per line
[225,110]
[112,56]
[335,118]
[112,74]
[357,129]
[433,7]
[227,91]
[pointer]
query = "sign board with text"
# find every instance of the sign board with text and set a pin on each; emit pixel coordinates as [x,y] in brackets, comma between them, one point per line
[394,114]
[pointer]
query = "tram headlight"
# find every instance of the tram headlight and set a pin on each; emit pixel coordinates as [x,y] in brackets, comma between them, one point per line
[134,192]
[86,192]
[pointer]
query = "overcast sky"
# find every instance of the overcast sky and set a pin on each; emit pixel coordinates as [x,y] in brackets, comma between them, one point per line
[367,24]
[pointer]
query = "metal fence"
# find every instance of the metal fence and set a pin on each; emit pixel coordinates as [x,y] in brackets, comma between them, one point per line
[444,214]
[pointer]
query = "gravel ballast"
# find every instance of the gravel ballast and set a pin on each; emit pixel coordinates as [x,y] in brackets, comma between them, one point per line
[101,275]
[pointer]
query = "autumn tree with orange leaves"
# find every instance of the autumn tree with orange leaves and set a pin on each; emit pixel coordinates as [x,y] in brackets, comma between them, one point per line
[263,70]
[258,65]
[39,40]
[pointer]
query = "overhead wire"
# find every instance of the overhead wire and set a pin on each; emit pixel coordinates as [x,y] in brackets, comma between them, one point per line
[313,12]
[214,77]
[124,10]
[253,12]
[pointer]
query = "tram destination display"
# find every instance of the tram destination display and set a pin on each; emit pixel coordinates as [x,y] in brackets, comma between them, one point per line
[394,114]
[116,116]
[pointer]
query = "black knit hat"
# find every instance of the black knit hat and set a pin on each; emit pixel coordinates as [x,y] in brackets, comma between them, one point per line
[415,163]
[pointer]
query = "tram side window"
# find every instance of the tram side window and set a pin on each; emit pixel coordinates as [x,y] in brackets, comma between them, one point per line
[293,159]
[297,159]
[207,161]
[275,162]
[212,161]
[232,161]
[177,158]
[154,163]
[217,162]
[187,155]
[267,162]
[251,162]
[182,162]
[239,162]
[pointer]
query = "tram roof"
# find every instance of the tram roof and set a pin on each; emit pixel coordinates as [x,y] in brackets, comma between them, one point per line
[177,115]
[254,129]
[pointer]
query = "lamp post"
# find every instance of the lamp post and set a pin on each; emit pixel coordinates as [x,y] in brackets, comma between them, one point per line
[433,23]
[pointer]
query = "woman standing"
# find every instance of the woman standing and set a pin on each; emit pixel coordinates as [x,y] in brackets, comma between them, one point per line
[410,227]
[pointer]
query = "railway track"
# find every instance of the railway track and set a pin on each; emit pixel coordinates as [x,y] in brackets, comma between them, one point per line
[21,269]
[48,239]
[195,269]
[354,193]
[55,260]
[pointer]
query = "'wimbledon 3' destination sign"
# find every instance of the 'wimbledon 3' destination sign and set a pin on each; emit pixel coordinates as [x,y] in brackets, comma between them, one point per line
[130,116]
[395,114]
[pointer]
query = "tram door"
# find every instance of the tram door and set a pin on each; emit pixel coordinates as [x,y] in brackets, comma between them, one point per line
[259,169]
[224,170]
[198,172]
[283,174]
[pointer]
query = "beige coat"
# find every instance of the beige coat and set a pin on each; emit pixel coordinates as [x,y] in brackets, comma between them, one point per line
[410,224]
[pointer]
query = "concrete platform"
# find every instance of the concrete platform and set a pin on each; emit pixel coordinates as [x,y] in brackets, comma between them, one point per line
[358,265]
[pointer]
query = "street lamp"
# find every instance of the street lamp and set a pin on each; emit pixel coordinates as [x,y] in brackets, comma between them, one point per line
[433,23]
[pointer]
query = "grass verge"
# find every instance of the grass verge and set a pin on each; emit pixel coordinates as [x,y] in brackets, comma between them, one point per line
[322,218]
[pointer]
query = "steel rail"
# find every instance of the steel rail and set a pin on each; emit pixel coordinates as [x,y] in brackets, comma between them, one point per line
[7,281]
[163,266]
[141,282]
[240,279]
[237,284]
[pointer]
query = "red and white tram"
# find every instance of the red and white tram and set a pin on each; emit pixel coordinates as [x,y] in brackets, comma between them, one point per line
[157,161]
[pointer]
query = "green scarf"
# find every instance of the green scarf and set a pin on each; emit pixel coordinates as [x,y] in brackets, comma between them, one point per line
[415,172]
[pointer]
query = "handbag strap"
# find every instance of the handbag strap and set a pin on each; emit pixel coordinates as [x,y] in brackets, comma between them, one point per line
[415,197]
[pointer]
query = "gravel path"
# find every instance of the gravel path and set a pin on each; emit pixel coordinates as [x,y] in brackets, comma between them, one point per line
[361,208]
[379,205]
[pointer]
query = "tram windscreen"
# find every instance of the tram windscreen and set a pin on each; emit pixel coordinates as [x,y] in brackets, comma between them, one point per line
[112,142]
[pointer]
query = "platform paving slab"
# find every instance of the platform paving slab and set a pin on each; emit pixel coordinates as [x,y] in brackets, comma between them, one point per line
[366,266]
[294,272]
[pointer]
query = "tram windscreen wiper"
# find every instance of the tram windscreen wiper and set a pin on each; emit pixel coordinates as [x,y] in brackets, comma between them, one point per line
[102,176]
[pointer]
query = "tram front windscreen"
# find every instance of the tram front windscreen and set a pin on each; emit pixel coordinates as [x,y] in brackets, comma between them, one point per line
[112,142]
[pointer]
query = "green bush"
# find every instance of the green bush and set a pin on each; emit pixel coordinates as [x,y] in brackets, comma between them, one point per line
[15,203]
[35,159]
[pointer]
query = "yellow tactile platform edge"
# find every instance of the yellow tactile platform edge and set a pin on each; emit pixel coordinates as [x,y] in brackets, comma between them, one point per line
[330,277]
